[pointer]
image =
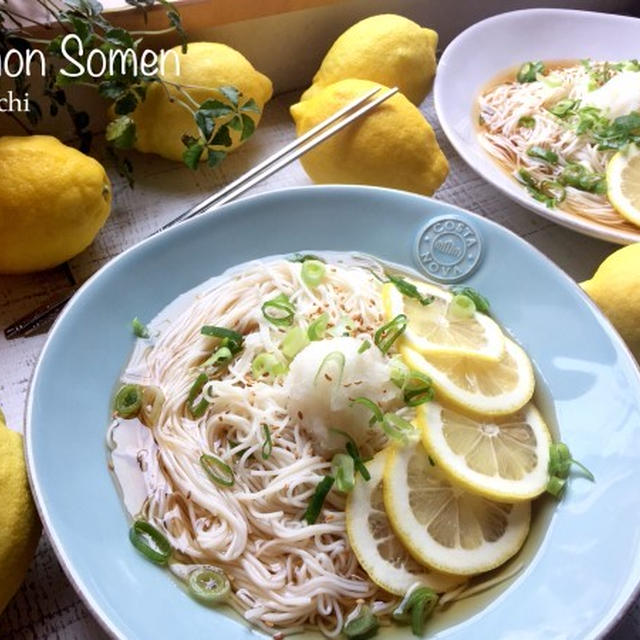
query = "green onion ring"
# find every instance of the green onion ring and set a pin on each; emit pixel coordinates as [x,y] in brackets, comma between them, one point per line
[283,308]
[318,327]
[336,358]
[372,406]
[209,585]
[365,624]
[198,410]
[211,463]
[312,273]
[140,532]
[128,400]
[267,445]
[266,366]
[386,335]
[461,307]
[229,338]
[418,389]
[399,429]
[343,470]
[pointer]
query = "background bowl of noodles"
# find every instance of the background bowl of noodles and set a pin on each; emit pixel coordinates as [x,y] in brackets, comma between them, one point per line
[488,51]
[582,561]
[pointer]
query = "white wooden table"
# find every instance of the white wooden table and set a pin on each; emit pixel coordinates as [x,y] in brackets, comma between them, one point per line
[47,606]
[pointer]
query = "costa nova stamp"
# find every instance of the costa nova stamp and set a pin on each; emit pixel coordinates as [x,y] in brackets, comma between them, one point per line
[448,249]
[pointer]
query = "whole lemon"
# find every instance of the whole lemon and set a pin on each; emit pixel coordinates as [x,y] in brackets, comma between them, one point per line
[19,524]
[53,201]
[615,288]
[392,146]
[388,49]
[161,123]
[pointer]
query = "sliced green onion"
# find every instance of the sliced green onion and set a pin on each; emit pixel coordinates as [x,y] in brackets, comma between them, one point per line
[461,307]
[418,388]
[556,486]
[213,466]
[536,151]
[364,346]
[482,304]
[528,122]
[399,429]
[209,585]
[372,406]
[266,366]
[198,410]
[386,335]
[128,400]
[318,327]
[529,71]
[140,330]
[409,290]
[364,625]
[563,108]
[317,500]
[230,339]
[417,607]
[560,462]
[344,327]
[358,462]
[219,356]
[553,190]
[312,273]
[150,542]
[579,177]
[280,311]
[335,360]
[398,371]
[295,340]
[152,403]
[343,470]
[267,445]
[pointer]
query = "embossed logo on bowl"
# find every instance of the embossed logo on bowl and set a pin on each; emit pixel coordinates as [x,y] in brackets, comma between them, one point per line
[448,249]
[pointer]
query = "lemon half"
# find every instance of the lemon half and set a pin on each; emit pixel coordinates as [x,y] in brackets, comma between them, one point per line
[444,526]
[623,183]
[431,329]
[503,458]
[378,549]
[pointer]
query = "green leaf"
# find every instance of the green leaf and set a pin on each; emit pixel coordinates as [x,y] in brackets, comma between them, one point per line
[231,94]
[248,127]
[250,106]
[235,123]
[222,137]
[121,132]
[208,113]
[215,157]
[120,38]
[191,155]
[126,104]
[189,141]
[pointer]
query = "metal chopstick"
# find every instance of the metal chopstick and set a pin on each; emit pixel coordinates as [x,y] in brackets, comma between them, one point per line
[45,313]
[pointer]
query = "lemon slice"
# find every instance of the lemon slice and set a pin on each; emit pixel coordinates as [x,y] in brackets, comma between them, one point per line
[503,458]
[479,386]
[431,329]
[377,548]
[623,183]
[444,526]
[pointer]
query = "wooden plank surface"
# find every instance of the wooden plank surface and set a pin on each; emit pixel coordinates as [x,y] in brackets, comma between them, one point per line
[47,606]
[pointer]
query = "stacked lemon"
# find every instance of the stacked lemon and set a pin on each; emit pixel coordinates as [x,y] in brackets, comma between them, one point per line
[455,502]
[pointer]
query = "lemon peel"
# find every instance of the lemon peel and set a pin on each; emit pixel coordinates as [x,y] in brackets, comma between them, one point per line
[393,146]
[53,201]
[389,49]
[19,524]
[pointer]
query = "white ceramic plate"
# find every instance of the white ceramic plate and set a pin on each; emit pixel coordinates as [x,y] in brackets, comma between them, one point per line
[505,41]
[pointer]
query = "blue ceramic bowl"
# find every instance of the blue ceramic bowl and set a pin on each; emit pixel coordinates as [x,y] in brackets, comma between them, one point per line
[583,564]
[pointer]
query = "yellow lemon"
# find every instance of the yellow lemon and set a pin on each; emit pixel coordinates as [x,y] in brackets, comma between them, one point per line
[623,183]
[160,123]
[53,201]
[19,524]
[388,49]
[615,288]
[393,146]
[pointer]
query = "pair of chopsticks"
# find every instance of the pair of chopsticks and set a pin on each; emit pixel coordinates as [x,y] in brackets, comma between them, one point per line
[339,120]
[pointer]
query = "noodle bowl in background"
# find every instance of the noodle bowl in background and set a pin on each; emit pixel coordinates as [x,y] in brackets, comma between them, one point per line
[554,127]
